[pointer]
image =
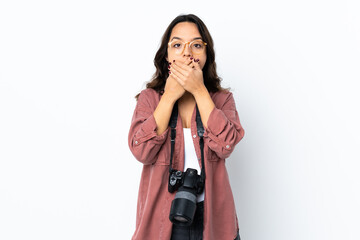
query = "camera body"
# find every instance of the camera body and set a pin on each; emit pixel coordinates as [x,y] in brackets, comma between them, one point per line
[189,179]
[188,184]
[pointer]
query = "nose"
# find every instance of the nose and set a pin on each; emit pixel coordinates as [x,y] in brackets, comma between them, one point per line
[187,50]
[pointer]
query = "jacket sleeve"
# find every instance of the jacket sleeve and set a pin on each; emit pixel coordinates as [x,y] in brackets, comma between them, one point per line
[144,143]
[223,130]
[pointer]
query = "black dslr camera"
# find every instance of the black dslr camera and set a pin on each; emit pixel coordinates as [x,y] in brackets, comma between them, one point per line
[188,184]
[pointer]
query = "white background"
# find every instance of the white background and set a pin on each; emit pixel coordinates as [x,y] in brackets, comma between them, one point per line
[69,71]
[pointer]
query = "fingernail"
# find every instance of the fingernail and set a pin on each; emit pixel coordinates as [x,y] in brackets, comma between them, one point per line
[191,58]
[169,72]
[197,59]
[169,67]
[169,63]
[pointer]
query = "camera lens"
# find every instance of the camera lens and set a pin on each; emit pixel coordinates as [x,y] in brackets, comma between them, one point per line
[180,219]
[183,207]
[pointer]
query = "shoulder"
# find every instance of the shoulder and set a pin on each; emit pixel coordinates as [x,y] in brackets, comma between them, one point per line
[148,97]
[221,94]
[148,93]
[221,97]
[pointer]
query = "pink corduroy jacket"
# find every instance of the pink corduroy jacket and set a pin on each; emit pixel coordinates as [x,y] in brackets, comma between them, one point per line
[223,132]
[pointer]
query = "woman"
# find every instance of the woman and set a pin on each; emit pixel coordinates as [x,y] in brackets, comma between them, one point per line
[185,77]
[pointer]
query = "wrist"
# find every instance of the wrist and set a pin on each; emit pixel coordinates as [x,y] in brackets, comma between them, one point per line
[200,92]
[169,98]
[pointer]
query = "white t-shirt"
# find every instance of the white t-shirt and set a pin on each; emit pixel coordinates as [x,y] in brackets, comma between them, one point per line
[191,158]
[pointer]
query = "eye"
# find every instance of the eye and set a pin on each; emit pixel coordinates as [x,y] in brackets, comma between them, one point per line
[176,45]
[197,45]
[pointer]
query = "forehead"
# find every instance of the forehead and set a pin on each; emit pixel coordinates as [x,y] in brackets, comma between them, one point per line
[185,31]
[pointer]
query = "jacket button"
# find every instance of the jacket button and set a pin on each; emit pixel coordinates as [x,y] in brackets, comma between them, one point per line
[194,136]
[227,146]
[136,142]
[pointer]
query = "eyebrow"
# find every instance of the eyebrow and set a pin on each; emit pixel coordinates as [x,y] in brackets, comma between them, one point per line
[182,39]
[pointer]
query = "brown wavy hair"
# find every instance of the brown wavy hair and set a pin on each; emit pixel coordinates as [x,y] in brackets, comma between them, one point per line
[211,79]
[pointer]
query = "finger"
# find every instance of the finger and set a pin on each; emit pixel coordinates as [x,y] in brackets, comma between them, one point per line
[189,61]
[182,65]
[177,78]
[192,64]
[176,69]
[196,64]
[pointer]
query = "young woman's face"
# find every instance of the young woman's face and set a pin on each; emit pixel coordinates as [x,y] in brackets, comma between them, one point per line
[186,32]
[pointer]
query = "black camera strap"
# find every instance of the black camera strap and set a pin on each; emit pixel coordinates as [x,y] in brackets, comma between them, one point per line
[173,121]
[200,131]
